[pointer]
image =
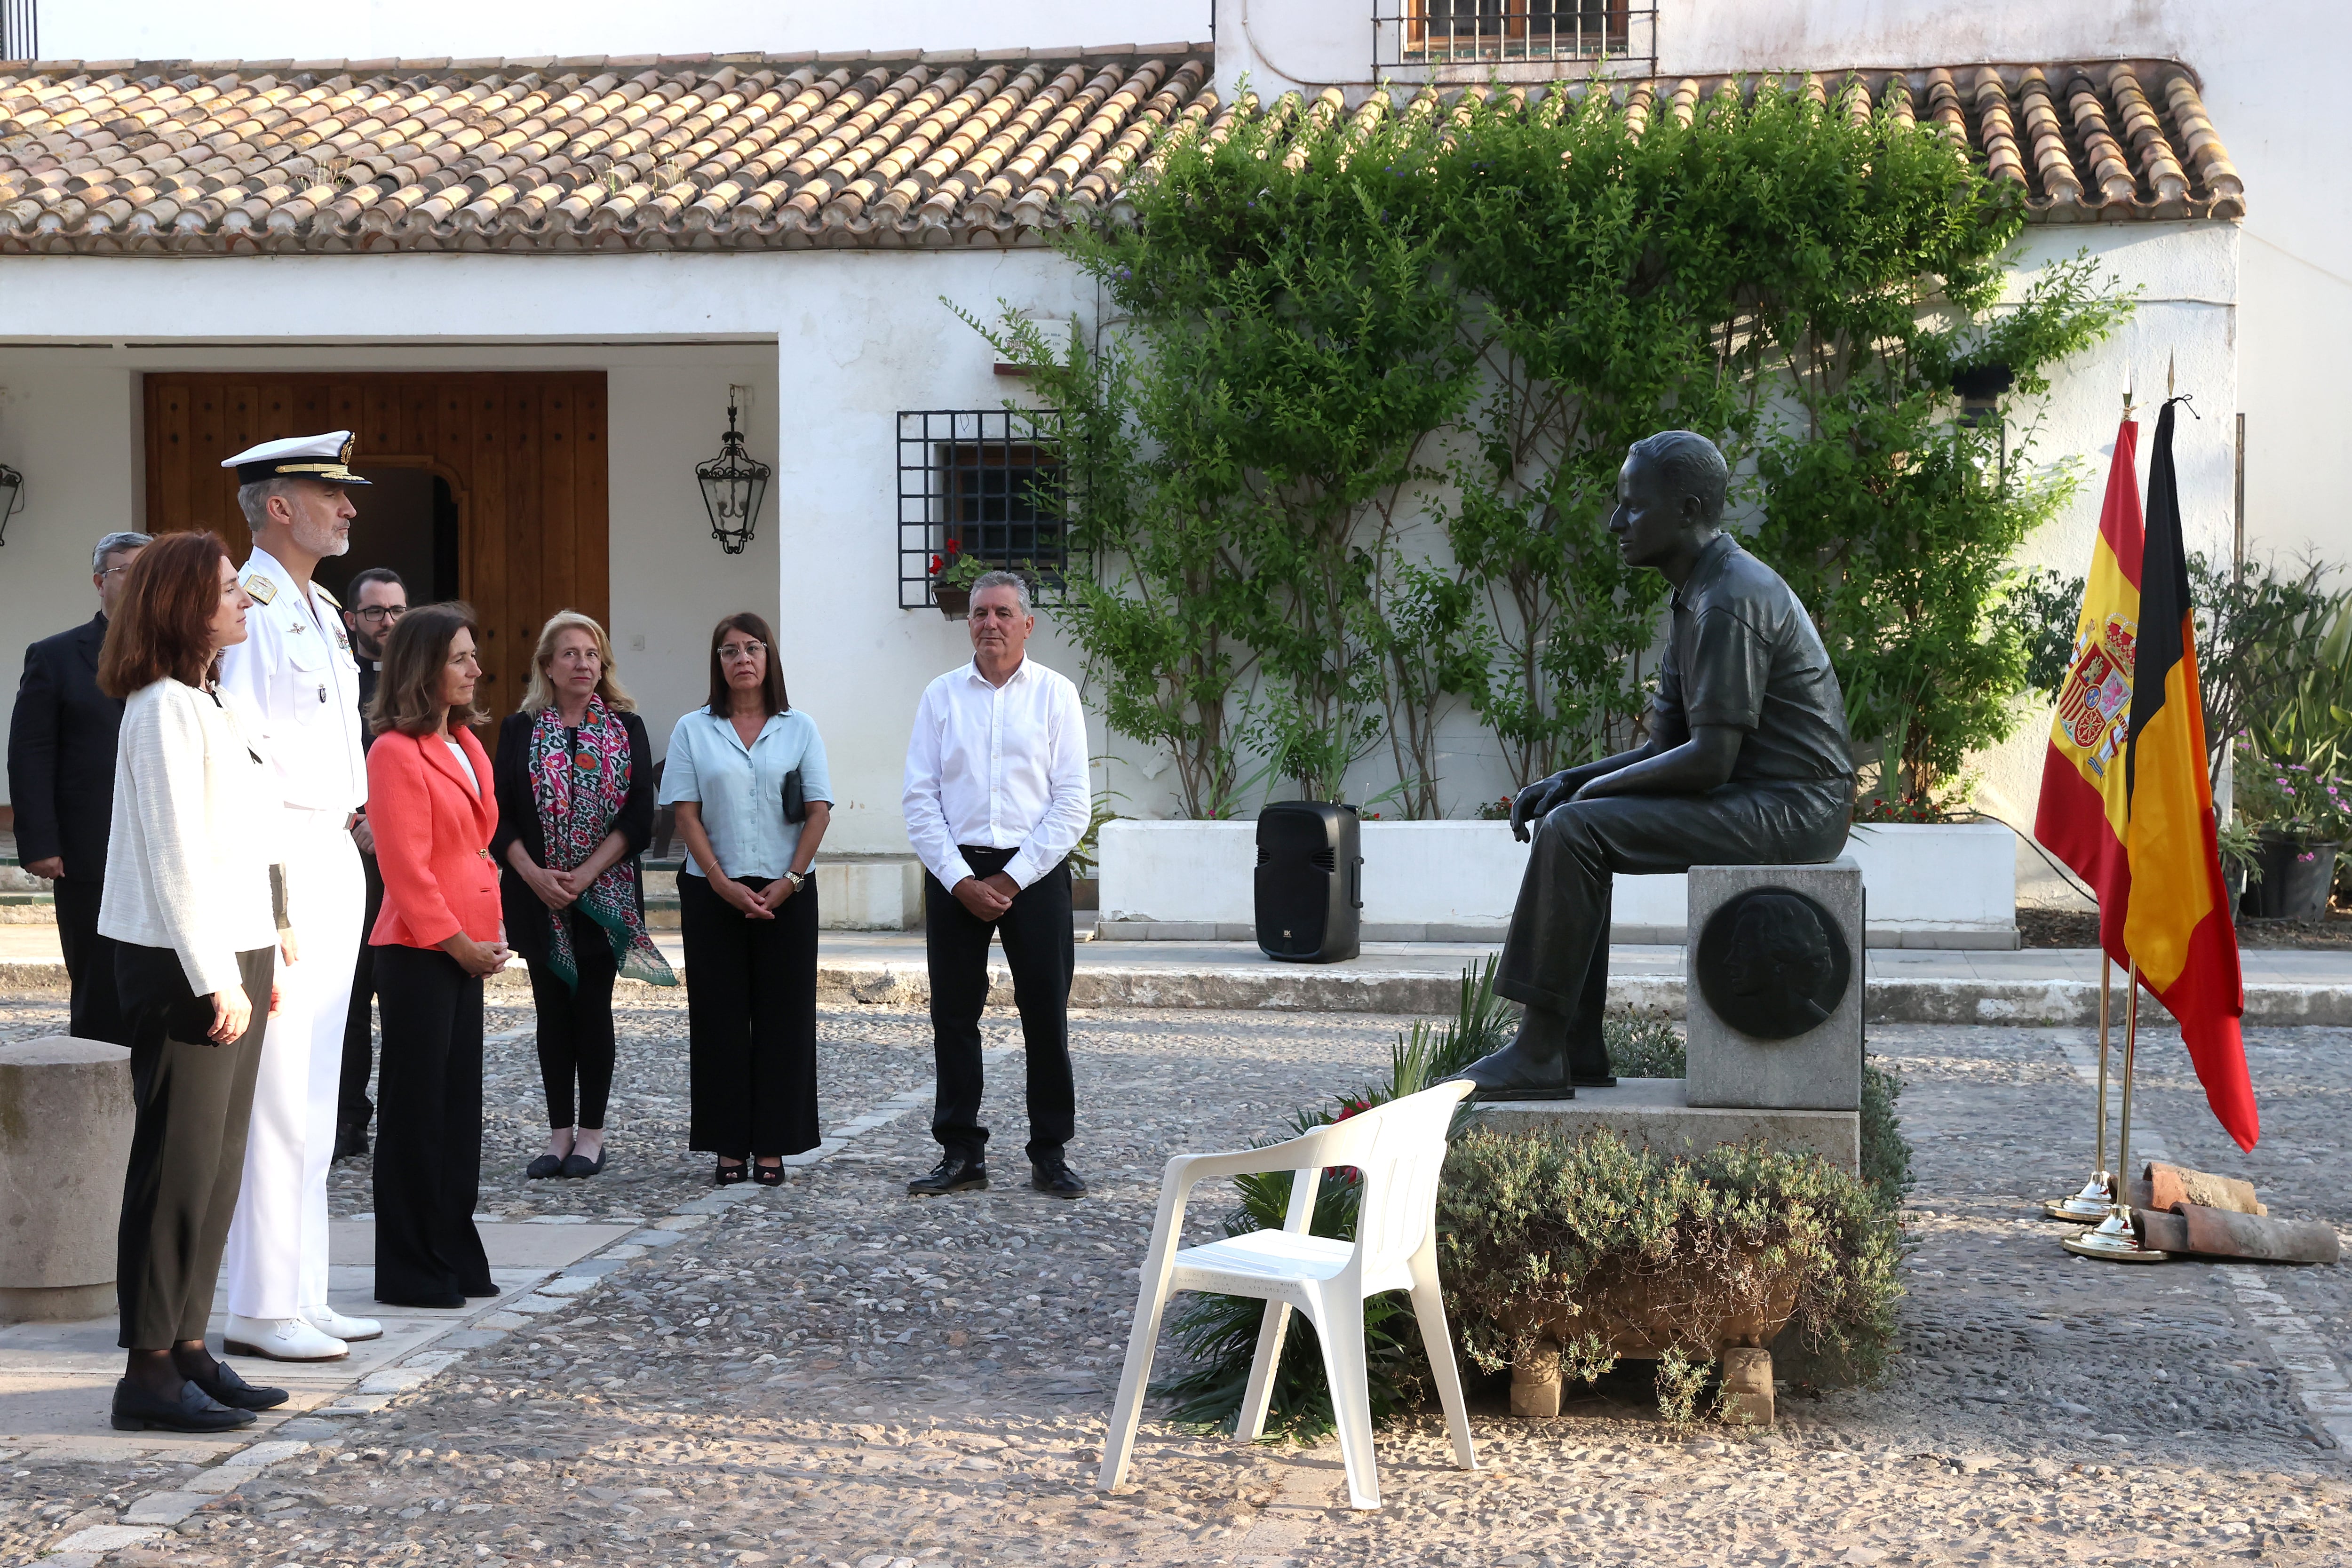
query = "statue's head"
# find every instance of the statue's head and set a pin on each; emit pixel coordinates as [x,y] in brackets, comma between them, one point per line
[1669,497]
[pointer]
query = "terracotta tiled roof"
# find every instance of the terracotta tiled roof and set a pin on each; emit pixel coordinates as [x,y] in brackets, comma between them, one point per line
[783,151]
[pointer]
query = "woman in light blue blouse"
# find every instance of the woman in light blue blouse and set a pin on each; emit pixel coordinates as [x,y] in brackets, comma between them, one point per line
[740,771]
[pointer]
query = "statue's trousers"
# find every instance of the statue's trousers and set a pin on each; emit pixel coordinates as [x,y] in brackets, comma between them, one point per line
[1557,954]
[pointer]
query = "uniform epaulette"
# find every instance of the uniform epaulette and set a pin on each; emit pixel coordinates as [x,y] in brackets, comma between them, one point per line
[260,589]
[320,589]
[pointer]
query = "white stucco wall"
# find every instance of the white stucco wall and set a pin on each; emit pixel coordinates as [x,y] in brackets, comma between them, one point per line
[2295,334]
[832,343]
[422,29]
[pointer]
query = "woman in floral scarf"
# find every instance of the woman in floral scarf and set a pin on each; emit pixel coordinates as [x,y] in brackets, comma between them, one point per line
[575,781]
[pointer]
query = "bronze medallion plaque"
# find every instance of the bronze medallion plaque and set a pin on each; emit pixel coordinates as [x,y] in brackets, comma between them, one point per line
[1772,963]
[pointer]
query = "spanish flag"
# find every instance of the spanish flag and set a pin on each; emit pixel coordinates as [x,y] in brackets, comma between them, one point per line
[2177,923]
[2086,805]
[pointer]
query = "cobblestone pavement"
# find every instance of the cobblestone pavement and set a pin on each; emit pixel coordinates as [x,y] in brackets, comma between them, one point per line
[831,1373]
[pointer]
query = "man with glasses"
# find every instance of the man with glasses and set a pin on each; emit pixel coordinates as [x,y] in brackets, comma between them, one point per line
[379,598]
[61,779]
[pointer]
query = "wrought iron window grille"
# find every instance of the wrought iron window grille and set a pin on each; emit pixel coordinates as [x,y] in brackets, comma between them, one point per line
[20,30]
[1476,37]
[988,482]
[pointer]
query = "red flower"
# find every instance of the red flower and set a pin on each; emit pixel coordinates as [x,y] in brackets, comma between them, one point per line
[935,565]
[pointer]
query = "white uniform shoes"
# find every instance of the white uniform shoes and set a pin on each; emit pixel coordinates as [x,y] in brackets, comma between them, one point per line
[333,1324]
[281,1339]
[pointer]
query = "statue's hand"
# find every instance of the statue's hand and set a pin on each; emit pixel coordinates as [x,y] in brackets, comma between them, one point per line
[1536,800]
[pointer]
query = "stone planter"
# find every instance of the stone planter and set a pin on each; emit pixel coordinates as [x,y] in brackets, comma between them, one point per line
[1929,885]
[2298,874]
[64,1137]
[1640,1318]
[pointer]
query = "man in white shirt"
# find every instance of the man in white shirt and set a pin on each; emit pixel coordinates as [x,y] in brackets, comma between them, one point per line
[299,686]
[996,798]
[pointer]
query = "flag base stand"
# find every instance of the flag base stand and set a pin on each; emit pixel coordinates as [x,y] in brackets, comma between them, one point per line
[2114,1241]
[2094,1202]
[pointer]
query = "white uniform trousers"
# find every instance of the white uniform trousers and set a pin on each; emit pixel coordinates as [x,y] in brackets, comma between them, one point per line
[277,1259]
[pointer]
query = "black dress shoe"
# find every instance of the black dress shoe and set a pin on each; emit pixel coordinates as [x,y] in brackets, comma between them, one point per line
[576,1167]
[1056,1180]
[136,1410]
[224,1387]
[543,1167]
[954,1174]
[350,1138]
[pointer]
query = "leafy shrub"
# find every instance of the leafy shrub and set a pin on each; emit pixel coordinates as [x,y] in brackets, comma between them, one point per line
[1610,1248]
[1643,1045]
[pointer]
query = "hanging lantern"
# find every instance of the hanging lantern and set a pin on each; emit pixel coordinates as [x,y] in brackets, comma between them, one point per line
[733,486]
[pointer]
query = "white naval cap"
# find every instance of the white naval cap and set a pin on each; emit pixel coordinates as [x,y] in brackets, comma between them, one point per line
[321,457]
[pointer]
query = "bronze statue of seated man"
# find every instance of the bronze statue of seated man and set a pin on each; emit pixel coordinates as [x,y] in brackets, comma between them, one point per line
[1748,762]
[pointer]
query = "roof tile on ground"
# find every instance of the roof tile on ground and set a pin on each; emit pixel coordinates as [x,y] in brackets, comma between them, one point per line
[900,148]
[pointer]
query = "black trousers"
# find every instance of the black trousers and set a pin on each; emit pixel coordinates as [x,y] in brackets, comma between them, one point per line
[1557,953]
[575,1026]
[751,1014]
[1042,952]
[193,1101]
[428,1142]
[352,1107]
[96,1011]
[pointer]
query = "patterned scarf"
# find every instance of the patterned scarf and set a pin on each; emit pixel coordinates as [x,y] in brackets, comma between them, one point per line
[579,790]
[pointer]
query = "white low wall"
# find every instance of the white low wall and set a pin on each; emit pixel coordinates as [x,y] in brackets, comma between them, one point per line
[1945,885]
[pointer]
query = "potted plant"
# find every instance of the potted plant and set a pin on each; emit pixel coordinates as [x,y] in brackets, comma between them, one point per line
[2240,843]
[953,574]
[2301,815]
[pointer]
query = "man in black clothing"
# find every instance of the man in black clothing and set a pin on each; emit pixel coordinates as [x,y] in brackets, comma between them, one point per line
[1748,762]
[379,598]
[61,782]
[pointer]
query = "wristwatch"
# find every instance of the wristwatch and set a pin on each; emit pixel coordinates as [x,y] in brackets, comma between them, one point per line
[796,880]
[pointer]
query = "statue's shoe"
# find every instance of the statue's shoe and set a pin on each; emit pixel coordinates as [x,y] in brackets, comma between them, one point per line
[1513,1073]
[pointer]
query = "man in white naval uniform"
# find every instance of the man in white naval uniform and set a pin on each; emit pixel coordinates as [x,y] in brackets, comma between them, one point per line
[295,675]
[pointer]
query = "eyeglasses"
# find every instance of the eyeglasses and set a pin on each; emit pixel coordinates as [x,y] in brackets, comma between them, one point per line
[110,570]
[736,652]
[377,614]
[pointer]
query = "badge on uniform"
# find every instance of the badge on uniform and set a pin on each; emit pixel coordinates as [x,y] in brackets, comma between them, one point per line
[260,589]
[342,641]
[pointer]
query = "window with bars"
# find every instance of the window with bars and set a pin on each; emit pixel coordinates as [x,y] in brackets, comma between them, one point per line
[1469,32]
[20,30]
[980,484]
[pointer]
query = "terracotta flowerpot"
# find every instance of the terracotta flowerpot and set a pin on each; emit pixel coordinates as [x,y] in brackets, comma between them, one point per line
[955,604]
[2296,876]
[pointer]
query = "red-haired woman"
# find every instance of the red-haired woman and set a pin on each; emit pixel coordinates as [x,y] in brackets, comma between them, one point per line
[197,911]
[431,802]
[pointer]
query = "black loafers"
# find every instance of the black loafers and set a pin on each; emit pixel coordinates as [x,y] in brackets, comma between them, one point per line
[954,1174]
[136,1410]
[543,1167]
[1056,1180]
[575,1167]
[224,1387]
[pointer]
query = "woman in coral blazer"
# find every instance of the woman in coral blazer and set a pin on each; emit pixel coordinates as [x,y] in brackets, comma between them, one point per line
[431,802]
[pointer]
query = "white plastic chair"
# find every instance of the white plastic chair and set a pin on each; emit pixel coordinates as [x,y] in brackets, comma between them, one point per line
[1398,1150]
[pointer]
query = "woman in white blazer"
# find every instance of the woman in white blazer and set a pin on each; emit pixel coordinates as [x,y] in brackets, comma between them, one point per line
[199,913]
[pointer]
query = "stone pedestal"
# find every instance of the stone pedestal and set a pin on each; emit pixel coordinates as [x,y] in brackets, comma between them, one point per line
[65,1139]
[1747,1385]
[1776,963]
[1656,1113]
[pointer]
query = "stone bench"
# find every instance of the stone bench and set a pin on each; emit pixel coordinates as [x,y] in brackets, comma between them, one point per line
[65,1140]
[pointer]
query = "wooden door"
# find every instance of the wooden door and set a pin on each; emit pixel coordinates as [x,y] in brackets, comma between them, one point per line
[523,453]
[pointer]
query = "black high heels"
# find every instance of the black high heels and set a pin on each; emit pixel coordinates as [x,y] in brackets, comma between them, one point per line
[731,1172]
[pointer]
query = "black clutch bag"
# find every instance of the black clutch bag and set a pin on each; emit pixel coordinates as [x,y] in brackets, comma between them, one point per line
[795,798]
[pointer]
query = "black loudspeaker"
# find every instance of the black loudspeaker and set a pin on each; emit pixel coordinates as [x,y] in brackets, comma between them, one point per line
[1310,882]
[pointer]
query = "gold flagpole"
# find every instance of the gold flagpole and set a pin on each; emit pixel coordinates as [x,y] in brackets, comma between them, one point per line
[2114,1238]
[2093,1203]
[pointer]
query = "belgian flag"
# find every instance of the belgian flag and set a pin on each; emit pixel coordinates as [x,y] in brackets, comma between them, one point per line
[2177,925]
